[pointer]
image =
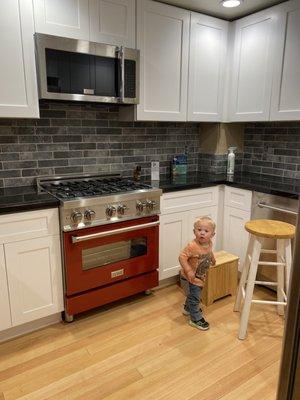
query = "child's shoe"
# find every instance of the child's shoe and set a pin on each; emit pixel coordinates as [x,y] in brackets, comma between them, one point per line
[201,324]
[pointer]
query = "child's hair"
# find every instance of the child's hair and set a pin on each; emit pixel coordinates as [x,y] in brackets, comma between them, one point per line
[205,219]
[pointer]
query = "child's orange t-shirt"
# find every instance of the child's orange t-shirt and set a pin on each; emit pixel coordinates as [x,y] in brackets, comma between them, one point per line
[192,253]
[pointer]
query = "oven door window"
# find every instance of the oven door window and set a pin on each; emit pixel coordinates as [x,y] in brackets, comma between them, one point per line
[113,252]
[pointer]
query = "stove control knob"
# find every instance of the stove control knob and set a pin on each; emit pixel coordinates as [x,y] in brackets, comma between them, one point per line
[89,215]
[110,211]
[140,206]
[76,216]
[150,204]
[121,209]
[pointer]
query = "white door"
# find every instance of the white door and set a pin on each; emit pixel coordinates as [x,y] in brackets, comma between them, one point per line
[173,236]
[211,212]
[5,317]
[252,66]
[113,22]
[208,43]
[235,237]
[286,83]
[162,37]
[34,278]
[18,93]
[69,18]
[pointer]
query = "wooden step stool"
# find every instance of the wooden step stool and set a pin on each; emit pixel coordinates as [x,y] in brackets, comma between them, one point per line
[221,279]
[260,229]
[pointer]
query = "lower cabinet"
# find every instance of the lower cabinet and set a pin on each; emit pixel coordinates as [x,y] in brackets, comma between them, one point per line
[34,278]
[176,228]
[237,211]
[30,267]
[5,317]
[235,238]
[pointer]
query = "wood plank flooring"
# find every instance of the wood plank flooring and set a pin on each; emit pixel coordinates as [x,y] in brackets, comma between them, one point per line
[143,348]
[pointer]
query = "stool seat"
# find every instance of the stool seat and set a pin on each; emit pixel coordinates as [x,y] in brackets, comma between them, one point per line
[268,228]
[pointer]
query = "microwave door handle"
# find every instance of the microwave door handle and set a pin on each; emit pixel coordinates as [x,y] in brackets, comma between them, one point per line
[122,73]
[76,239]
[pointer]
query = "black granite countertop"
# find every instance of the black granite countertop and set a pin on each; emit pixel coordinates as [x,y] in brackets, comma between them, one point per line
[24,198]
[261,183]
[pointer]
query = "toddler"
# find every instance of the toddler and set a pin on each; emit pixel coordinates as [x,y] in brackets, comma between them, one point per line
[194,259]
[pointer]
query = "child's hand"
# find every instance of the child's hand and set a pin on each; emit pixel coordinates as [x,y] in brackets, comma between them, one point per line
[190,276]
[199,281]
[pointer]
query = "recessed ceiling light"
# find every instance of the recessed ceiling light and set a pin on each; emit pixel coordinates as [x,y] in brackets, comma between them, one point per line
[231,3]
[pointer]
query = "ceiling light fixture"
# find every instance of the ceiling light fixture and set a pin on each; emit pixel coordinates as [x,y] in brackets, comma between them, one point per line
[231,3]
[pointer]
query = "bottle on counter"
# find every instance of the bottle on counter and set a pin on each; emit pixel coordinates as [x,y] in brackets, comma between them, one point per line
[230,160]
[137,173]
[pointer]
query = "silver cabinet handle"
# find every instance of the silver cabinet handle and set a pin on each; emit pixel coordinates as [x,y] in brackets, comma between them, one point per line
[261,204]
[76,239]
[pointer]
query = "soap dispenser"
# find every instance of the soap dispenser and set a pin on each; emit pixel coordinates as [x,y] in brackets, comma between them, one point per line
[230,160]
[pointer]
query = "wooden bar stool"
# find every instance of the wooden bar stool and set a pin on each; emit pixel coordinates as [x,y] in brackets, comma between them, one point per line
[259,229]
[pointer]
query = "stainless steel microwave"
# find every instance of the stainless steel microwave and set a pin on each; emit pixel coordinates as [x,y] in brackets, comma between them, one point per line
[70,69]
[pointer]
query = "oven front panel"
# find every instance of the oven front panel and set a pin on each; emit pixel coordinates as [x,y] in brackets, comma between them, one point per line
[92,261]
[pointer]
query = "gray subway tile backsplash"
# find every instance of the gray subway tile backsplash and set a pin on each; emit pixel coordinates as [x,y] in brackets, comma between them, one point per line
[90,138]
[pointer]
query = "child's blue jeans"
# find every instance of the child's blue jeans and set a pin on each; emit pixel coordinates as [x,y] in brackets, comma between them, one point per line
[193,295]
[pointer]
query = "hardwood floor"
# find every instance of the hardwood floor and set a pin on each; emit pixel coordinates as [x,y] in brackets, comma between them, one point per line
[143,348]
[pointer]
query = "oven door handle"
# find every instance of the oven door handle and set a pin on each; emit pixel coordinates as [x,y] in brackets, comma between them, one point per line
[262,204]
[76,239]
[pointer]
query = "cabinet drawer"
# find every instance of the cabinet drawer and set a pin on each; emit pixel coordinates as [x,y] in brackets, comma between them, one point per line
[238,198]
[189,199]
[28,224]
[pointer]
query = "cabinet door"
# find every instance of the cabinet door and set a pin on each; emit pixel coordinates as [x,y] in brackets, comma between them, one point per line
[286,83]
[173,234]
[113,22]
[235,237]
[5,318]
[18,94]
[69,18]
[208,41]
[211,212]
[34,278]
[251,83]
[162,37]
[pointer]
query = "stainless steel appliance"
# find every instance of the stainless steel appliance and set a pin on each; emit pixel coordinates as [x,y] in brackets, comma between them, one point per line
[267,206]
[70,69]
[110,235]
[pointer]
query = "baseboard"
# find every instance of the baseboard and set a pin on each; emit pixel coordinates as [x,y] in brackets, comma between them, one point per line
[29,327]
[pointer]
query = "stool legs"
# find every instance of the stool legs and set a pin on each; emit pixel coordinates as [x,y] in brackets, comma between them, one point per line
[280,274]
[239,296]
[249,288]
[288,261]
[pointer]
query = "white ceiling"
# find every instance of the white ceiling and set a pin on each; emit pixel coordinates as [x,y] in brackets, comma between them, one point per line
[213,7]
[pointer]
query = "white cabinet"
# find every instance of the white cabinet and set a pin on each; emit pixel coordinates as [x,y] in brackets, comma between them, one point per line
[163,40]
[208,44]
[112,21]
[69,18]
[5,317]
[237,211]
[252,66]
[179,212]
[286,81]
[18,94]
[30,267]
[103,21]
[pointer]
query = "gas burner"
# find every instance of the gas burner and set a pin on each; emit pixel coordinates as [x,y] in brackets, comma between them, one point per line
[91,200]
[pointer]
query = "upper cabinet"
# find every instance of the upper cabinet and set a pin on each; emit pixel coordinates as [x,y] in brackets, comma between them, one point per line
[252,66]
[103,21]
[69,18]
[286,80]
[208,44]
[113,21]
[18,94]
[163,41]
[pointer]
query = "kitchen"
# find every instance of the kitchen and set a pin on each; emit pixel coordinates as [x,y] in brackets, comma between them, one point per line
[247,103]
